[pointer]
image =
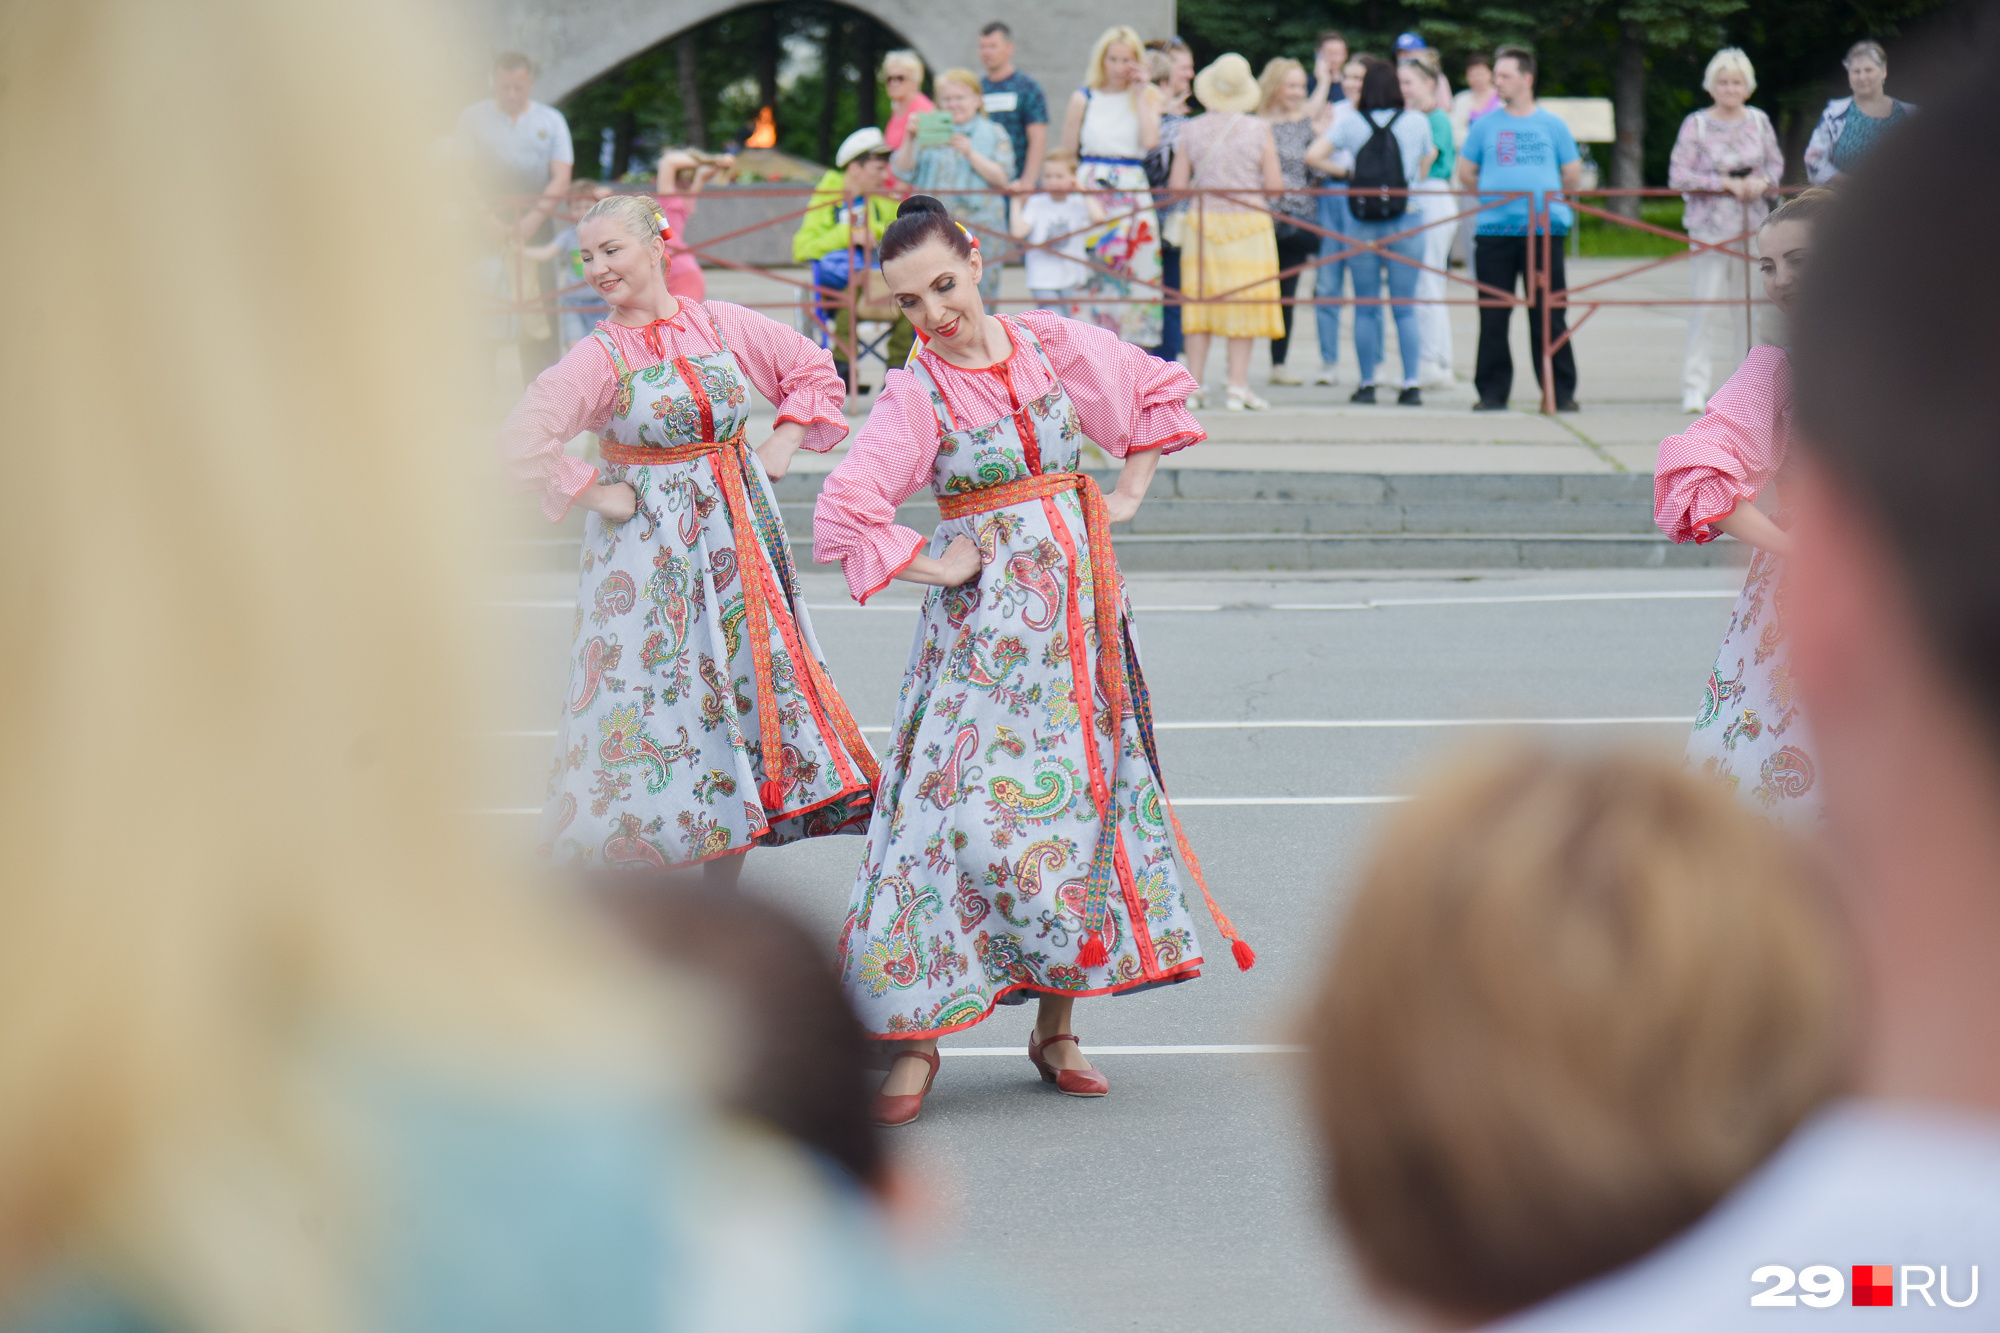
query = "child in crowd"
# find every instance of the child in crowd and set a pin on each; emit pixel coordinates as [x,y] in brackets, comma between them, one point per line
[1059,214]
[579,306]
[1576,1001]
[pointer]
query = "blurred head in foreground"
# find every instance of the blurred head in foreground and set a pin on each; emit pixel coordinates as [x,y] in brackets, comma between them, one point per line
[1574,1002]
[241,892]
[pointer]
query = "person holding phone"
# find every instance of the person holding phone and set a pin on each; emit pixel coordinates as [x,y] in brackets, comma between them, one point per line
[958,149]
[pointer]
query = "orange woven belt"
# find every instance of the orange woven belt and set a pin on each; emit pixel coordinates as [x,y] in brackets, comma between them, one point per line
[759,592]
[1108,599]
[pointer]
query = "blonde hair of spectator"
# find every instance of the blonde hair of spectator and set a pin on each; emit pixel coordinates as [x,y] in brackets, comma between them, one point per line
[1426,60]
[1870,49]
[638,214]
[963,77]
[907,61]
[1574,1001]
[1271,83]
[1729,60]
[1059,157]
[1159,65]
[237,827]
[1117,35]
[1805,206]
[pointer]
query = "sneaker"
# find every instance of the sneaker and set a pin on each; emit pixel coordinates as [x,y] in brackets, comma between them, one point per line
[1568,405]
[1283,374]
[1364,394]
[1327,375]
[1436,377]
[1483,406]
[1410,397]
[1242,400]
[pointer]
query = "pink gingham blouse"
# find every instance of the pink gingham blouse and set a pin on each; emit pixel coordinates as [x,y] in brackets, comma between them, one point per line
[1126,401]
[1730,454]
[576,393]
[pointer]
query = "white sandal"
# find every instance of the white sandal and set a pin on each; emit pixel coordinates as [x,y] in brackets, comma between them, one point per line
[1197,400]
[1243,400]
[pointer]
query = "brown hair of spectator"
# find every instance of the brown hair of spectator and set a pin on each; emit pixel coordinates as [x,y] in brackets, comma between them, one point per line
[997,26]
[1329,35]
[802,1056]
[508,61]
[1523,58]
[1903,425]
[1805,206]
[1477,59]
[1575,1001]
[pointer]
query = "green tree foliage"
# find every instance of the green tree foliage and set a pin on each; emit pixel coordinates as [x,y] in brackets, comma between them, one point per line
[640,101]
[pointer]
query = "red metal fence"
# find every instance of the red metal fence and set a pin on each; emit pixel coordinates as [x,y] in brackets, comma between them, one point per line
[820,304]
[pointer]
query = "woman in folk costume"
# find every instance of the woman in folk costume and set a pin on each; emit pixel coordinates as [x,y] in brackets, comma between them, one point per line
[1022,842]
[1749,733]
[700,719]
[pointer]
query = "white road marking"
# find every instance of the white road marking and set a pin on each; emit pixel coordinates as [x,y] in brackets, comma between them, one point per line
[1326,724]
[1375,602]
[1187,801]
[1019,1052]
[1370,604]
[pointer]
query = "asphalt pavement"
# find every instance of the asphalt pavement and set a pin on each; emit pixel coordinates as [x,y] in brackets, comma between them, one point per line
[1189,1199]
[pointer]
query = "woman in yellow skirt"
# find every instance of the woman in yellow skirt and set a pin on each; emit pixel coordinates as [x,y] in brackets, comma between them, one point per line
[1229,249]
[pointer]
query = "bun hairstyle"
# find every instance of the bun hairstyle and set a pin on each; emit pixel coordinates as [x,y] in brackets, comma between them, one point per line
[638,214]
[920,220]
[1805,206]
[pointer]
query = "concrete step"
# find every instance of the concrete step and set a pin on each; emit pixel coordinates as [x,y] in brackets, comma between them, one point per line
[1203,519]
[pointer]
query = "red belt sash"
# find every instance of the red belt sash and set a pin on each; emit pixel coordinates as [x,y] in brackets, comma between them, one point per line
[761,601]
[1107,599]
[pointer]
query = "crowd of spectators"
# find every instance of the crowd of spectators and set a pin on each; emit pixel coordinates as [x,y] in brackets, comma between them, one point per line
[1351,171]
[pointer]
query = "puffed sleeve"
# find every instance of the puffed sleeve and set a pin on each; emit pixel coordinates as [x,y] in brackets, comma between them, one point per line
[1126,398]
[854,519]
[570,397]
[789,370]
[1729,455]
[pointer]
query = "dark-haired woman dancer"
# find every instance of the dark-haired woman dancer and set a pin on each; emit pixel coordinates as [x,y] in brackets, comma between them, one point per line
[1021,842]
[1750,733]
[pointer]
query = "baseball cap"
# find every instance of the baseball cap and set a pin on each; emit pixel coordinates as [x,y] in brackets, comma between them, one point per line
[1409,41]
[862,142]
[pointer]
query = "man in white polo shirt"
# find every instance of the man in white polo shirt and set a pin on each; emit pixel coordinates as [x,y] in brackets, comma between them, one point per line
[1892,602]
[518,146]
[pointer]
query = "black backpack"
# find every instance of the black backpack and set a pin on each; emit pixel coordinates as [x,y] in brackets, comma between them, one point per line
[1379,166]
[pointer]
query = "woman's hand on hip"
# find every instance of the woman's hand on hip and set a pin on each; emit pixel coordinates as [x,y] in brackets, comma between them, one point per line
[960,563]
[776,452]
[614,501]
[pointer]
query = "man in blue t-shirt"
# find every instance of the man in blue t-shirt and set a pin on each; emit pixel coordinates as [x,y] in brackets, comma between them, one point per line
[1015,103]
[1519,148]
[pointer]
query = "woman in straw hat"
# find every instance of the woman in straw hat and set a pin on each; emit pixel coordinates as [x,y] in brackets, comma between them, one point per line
[700,720]
[1023,845]
[1229,248]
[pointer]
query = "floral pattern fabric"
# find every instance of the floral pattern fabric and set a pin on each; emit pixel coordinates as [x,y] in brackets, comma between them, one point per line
[1129,245]
[658,759]
[973,892]
[1750,733]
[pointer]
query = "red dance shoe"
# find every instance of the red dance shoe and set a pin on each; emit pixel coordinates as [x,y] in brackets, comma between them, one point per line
[901,1110]
[1071,1082]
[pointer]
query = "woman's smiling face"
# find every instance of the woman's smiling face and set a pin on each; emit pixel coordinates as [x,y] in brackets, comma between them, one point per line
[623,268]
[938,292]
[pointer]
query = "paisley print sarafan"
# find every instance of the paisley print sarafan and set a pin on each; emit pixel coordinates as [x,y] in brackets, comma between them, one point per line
[659,756]
[975,887]
[1748,730]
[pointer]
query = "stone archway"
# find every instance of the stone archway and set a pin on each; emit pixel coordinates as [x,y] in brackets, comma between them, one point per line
[574,41]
